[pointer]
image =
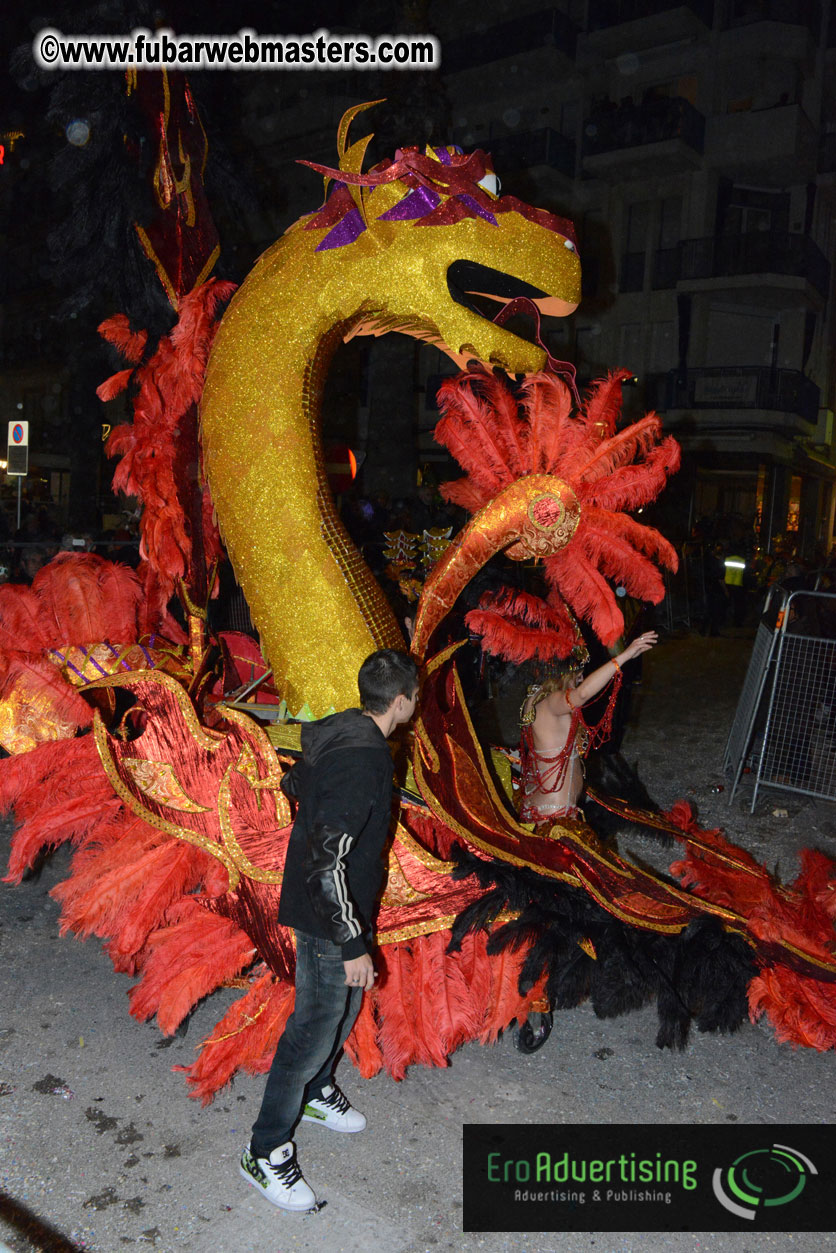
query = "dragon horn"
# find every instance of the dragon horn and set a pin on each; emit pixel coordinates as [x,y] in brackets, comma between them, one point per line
[345,122]
[535,516]
[351,159]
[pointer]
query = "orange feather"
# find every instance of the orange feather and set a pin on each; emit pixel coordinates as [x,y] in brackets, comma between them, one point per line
[245,1038]
[362,1046]
[506,1004]
[586,592]
[185,960]
[394,1008]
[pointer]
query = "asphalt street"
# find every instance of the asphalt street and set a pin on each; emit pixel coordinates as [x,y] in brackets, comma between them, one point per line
[102,1149]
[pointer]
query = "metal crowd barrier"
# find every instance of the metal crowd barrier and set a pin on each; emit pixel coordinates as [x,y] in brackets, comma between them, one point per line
[785,723]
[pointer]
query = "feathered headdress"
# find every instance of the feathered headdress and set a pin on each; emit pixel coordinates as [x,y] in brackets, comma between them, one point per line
[499,440]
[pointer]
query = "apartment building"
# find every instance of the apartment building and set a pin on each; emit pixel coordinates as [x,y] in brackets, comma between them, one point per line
[694,146]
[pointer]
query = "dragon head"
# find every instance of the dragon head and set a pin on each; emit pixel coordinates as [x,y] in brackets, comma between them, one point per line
[477,251]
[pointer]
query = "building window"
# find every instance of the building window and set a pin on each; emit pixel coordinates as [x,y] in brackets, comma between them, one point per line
[570,117]
[662,347]
[744,219]
[638,221]
[670,221]
[630,346]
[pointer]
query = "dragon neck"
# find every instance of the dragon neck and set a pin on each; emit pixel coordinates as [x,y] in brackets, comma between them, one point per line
[371,604]
[318,609]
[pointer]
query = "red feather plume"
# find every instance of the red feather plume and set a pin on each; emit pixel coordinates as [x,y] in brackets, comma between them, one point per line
[497,440]
[117,331]
[516,626]
[245,1038]
[184,961]
[506,1004]
[395,1009]
[168,388]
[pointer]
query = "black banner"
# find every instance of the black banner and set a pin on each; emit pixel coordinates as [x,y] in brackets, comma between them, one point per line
[656,1177]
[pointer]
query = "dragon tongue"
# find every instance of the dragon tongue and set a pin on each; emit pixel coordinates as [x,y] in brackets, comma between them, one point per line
[522,304]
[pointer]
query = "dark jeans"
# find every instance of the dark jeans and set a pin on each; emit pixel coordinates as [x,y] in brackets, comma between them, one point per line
[316,1031]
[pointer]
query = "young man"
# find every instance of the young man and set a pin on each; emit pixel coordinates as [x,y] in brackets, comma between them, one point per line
[332,878]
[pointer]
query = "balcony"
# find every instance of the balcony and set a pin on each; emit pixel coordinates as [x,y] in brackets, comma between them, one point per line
[827,154]
[787,392]
[606,13]
[764,28]
[631,141]
[521,150]
[548,28]
[667,268]
[769,267]
[778,146]
[618,25]
[805,13]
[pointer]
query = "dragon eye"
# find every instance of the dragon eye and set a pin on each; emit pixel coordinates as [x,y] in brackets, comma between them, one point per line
[490,183]
[567,243]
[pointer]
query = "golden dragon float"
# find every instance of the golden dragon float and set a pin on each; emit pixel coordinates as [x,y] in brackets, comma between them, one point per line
[123,744]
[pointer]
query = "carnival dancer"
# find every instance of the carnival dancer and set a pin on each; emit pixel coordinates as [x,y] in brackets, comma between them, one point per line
[331,880]
[554,737]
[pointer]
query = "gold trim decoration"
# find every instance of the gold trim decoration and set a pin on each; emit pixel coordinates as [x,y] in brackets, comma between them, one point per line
[239,857]
[227,850]
[635,920]
[426,749]
[135,805]
[491,849]
[249,1019]
[400,934]
[422,854]
[397,889]
[247,765]
[160,784]
[496,800]
[148,249]
[205,738]
[193,610]
[549,535]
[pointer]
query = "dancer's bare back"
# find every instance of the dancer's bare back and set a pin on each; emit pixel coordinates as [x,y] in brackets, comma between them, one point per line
[555,781]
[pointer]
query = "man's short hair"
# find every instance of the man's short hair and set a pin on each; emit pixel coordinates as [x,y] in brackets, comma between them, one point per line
[383,676]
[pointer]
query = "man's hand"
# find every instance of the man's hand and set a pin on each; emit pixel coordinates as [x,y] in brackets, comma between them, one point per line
[360,972]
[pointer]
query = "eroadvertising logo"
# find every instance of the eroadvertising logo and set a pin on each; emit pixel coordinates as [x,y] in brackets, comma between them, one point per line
[762,1177]
[657,1177]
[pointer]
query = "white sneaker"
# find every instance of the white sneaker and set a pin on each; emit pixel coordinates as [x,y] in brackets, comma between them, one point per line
[279,1178]
[334,1110]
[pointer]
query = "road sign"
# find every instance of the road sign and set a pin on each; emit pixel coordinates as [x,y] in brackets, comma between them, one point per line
[341,467]
[18,449]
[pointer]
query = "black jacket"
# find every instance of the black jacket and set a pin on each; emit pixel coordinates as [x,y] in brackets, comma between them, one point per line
[334,865]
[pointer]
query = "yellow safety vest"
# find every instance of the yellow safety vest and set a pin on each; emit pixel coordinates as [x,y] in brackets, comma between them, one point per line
[735,567]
